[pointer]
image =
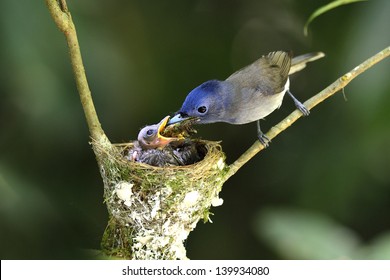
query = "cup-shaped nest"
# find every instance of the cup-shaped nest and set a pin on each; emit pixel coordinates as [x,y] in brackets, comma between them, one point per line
[153,209]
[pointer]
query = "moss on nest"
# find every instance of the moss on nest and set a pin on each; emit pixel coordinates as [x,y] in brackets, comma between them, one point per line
[153,209]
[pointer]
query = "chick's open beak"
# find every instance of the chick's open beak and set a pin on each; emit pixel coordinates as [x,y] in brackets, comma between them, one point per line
[162,140]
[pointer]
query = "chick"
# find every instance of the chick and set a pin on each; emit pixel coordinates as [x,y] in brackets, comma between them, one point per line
[157,150]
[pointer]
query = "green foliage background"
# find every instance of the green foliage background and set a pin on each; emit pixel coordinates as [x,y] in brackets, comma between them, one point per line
[320,191]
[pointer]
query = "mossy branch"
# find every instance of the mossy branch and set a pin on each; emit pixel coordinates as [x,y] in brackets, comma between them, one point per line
[63,19]
[336,86]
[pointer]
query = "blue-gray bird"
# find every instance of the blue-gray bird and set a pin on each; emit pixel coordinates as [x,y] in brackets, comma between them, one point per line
[248,95]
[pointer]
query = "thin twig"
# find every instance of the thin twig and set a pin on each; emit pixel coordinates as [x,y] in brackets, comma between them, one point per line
[63,6]
[63,19]
[339,84]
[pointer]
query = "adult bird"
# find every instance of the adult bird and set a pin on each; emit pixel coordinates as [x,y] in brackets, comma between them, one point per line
[248,95]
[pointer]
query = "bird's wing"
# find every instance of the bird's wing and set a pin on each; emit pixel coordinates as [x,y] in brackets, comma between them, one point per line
[268,74]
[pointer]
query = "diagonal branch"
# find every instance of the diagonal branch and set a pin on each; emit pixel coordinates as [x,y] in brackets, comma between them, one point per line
[336,86]
[63,19]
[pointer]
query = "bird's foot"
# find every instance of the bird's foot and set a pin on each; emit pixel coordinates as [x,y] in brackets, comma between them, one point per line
[261,136]
[264,140]
[302,108]
[299,105]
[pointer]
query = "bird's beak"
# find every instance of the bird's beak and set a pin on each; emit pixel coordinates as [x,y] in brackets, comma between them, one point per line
[177,118]
[162,140]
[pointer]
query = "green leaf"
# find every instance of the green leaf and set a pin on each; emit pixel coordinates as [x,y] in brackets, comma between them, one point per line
[326,8]
[297,234]
[378,249]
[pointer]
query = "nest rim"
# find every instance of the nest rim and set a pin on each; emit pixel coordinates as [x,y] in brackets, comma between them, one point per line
[213,149]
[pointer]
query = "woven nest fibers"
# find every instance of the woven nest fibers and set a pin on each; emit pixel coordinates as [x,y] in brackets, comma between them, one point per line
[153,209]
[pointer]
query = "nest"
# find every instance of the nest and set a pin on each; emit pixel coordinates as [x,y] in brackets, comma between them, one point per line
[153,209]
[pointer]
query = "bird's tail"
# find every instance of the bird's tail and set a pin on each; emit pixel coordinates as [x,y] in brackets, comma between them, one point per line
[299,62]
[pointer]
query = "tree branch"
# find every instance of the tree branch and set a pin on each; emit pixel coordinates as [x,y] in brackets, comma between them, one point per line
[63,20]
[311,103]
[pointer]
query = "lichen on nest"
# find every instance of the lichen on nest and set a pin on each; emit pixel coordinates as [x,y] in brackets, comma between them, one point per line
[153,209]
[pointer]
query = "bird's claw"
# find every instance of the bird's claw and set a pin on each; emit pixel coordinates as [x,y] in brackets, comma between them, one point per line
[263,139]
[302,108]
[299,105]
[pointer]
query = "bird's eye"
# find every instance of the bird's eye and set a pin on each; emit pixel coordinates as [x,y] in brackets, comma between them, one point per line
[150,132]
[202,109]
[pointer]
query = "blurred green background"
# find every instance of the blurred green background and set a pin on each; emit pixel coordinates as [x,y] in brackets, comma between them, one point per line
[320,191]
